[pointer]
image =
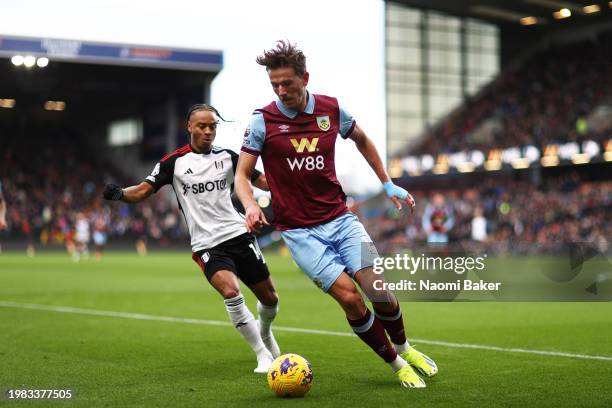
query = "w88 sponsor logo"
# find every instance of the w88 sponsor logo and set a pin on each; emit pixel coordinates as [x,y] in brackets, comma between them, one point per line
[307,163]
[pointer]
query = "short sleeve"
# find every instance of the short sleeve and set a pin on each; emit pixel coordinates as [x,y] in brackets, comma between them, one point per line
[161,174]
[347,123]
[256,173]
[254,135]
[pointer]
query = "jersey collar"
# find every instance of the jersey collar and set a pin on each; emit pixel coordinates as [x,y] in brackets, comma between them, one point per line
[291,114]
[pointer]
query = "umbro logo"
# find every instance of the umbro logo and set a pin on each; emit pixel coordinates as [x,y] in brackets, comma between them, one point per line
[283,128]
[189,171]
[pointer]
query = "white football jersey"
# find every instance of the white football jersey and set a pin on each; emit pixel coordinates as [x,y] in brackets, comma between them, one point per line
[203,185]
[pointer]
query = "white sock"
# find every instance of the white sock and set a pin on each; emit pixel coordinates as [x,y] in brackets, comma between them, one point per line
[402,348]
[266,316]
[243,320]
[397,364]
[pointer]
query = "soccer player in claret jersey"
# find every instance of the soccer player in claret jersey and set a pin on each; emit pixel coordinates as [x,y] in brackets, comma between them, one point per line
[295,137]
[202,176]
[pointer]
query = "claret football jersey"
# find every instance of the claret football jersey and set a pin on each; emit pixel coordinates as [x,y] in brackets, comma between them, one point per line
[297,150]
[203,185]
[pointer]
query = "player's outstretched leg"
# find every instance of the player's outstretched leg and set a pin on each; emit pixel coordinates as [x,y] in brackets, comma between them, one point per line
[242,318]
[388,312]
[266,317]
[371,331]
[226,283]
[267,308]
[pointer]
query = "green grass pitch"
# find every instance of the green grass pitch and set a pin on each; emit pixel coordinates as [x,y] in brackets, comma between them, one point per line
[114,361]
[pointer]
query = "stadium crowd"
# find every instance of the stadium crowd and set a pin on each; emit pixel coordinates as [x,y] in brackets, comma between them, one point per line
[547,99]
[46,197]
[510,217]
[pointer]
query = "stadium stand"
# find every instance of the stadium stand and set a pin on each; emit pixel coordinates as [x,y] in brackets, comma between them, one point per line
[48,188]
[520,217]
[544,100]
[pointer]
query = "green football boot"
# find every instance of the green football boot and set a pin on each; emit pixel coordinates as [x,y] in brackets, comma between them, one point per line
[409,378]
[423,364]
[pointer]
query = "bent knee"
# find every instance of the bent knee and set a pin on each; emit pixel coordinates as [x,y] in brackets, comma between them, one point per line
[229,292]
[353,303]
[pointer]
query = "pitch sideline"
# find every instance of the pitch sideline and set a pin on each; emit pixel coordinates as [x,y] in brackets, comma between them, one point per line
[139,316]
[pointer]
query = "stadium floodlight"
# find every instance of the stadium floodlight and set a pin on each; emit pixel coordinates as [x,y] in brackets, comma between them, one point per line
[592,8]
[441,166]
[549,161]
[42,62]
[563,13]
[529,20]
[608,152]
[7,103]
[493,165]
[581,158]
[520,163]
[395,168]
[466,167]
[55,105]
[17,60]
[29,61]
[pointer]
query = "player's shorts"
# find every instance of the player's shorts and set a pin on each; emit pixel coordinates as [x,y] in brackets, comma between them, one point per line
[99,238]
[240,255]
[82,238]
[325,251]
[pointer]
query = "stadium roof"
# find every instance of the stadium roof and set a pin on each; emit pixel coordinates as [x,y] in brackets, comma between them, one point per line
[70,50]
[503,12]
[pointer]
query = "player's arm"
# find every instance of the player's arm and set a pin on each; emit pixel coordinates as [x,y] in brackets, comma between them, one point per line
[132,194]
[254,216]
[159,177]
[261,182]
[257,178]
[368,150]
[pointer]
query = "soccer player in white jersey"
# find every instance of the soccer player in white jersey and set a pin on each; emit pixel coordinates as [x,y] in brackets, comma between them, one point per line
[202,176]
[82,237]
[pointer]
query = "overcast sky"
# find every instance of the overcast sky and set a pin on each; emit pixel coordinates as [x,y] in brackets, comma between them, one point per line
[343,41]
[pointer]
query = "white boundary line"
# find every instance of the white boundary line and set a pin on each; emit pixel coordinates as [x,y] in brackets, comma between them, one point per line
[139,316]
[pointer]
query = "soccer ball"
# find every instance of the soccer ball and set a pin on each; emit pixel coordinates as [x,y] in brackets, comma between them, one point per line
[290,375]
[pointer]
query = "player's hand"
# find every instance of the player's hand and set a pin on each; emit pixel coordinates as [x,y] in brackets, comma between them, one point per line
[398,195]
[254,218]
[112,192]
[2,224]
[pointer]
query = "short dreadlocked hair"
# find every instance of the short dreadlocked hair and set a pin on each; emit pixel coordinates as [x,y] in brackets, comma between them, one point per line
[203,107]
[284,54]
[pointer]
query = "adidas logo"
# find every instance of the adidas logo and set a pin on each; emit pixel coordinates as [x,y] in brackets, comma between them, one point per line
[189,171]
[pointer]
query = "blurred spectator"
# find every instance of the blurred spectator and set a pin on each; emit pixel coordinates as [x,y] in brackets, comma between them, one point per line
[437,220]
[479,225]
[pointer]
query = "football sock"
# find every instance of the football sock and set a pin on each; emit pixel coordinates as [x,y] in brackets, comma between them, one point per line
[266,316]
[242,318]
[371,331]
[394,325]
[397,364]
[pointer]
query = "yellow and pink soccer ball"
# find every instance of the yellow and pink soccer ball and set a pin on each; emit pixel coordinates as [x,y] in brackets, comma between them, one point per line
[290,375]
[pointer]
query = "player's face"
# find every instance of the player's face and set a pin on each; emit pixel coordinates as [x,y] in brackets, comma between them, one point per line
[203,128]
[289,87]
